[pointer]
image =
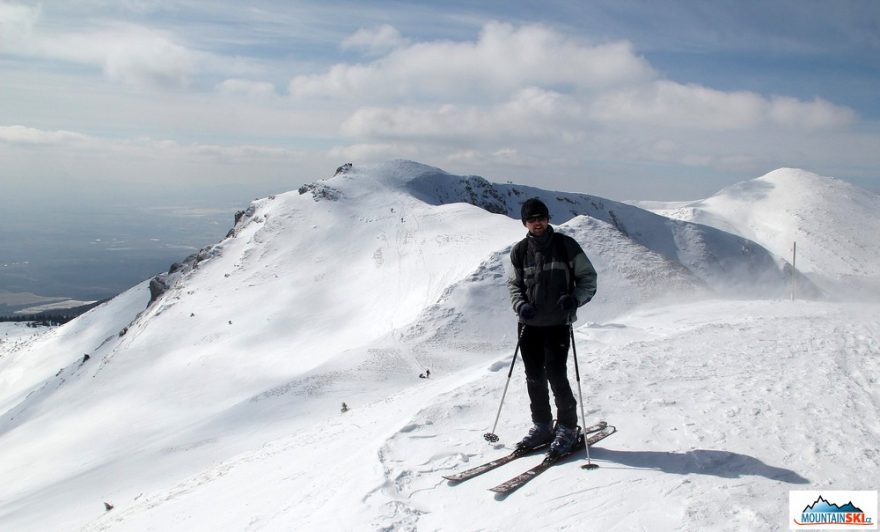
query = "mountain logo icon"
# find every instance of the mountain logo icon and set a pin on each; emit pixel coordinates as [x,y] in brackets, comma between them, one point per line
[821,505]
[825,513]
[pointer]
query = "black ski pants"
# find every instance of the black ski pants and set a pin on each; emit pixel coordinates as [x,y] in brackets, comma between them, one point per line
[545,353]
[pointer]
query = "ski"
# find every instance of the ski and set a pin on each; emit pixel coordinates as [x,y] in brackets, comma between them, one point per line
[518,481]
[518,453]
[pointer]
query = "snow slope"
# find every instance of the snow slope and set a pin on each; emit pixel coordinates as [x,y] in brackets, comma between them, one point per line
[218,406]
[721,409]
[834,223]
[728,263]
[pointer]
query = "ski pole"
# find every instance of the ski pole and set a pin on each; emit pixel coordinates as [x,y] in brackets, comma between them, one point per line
[577,373]
[491,436]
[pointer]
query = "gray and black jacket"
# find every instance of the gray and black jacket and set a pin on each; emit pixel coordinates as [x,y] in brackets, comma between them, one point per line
[545,269]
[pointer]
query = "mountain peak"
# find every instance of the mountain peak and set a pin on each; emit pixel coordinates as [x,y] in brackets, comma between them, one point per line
[833,222]
[791,173]
[396,172]
[794,178]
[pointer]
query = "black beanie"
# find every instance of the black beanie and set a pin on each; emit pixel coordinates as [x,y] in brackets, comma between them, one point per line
[533,207]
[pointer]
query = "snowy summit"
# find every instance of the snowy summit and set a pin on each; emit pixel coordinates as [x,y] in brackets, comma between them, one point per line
[834,224]
[271,382]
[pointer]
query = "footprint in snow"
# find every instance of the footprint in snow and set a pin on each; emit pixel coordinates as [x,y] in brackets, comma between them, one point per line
[498,366]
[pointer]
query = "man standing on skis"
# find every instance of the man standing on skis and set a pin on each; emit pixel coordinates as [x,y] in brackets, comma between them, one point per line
[551,278]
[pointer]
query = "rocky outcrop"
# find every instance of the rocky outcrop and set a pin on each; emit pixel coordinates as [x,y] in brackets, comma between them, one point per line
[164,281]
[320,191]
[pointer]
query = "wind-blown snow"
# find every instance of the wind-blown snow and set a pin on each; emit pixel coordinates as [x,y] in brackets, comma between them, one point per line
[834,223]
[218,406]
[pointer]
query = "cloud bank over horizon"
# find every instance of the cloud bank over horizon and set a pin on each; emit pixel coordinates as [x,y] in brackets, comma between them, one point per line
[169,96]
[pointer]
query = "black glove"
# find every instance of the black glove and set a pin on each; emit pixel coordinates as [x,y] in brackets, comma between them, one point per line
[527,311]
[567,303]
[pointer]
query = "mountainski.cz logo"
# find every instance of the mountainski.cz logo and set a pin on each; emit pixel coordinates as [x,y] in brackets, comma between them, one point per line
[832,510]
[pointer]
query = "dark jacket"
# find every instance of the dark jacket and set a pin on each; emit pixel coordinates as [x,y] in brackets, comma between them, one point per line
[545,269]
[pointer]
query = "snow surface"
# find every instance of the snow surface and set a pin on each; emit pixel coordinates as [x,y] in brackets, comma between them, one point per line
[834,223]
[218,405]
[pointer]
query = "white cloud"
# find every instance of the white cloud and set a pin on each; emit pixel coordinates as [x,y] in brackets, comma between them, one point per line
[504,59]
[530,113]
[511,97]
[242,154]
[374,41]
[144,56]
[143,147]
[669,104]
[371,152]
[16,23]
[125,53]
[503,157]
[817,114]
[31,136]
[530,96]
[409,123]
[257,89]
[162,149]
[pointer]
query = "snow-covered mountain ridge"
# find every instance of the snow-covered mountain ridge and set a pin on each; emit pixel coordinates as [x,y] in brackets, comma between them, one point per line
[834,224]
[217,406]
[726,262]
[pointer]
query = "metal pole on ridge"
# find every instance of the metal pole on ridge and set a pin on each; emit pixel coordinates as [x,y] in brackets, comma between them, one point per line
[577,373]
[491,436]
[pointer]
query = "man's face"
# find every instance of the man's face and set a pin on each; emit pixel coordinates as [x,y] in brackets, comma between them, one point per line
[537,225]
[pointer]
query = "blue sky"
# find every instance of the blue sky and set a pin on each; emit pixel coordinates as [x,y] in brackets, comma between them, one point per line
[183,102]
